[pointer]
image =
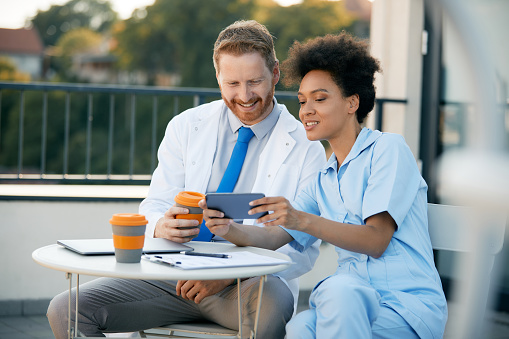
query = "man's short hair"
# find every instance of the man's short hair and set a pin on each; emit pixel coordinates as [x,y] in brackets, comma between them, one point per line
[245,36]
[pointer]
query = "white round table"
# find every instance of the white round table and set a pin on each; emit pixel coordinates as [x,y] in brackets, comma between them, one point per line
[59,258]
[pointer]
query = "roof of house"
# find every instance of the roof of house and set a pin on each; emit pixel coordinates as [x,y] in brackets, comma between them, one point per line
[20,41]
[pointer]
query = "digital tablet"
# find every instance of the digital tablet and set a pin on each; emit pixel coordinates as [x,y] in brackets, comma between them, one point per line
[234,205]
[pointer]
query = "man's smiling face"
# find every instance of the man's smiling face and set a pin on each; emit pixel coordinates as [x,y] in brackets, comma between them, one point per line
[247,86]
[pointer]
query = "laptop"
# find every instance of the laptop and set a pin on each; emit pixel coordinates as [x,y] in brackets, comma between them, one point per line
[105,246]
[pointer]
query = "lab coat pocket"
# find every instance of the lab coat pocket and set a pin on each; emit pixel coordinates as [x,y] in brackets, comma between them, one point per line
[285,182]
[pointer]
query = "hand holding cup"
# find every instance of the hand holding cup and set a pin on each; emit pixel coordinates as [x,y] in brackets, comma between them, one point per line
[181,222]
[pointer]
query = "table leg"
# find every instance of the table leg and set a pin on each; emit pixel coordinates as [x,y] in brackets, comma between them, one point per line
[72,332]
[240,307]
[263,278]
[76,333]
[68,276]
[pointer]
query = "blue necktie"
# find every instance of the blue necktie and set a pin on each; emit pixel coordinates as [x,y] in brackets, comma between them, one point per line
[231,175]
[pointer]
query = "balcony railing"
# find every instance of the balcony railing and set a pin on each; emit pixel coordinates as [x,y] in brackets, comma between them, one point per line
[95,133]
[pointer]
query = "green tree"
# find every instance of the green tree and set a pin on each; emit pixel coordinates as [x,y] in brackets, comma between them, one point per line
[304,21]
[144,44]
[60,19]
[178,36]
[76,41]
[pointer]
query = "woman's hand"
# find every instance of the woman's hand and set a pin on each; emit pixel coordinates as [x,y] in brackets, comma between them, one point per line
[284,214]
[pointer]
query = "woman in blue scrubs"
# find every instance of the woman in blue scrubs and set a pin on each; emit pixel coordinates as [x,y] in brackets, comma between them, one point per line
[369,201]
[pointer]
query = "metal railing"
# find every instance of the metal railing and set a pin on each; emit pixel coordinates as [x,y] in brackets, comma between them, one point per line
[179,98]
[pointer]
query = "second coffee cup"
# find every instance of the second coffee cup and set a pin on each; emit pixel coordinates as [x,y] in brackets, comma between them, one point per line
[189,200]
[128,236]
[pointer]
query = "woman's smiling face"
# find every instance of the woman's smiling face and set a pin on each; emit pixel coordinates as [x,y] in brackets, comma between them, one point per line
[324,111]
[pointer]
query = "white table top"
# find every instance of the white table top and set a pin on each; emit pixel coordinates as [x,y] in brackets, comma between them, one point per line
[58,258]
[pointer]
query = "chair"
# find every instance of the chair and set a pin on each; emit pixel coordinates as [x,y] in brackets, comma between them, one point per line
[190,330]
[478,236]
[447,225]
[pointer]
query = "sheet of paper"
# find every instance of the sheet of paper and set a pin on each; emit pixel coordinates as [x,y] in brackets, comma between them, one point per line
[238,259]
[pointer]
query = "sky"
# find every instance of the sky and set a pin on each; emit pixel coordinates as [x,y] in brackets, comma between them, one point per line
[13,13]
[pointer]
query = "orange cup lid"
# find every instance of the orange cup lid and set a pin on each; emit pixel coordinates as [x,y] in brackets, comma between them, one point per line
[189,198]
[128,219]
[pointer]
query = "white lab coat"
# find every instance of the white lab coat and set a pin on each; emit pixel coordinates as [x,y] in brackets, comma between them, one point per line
[187,151]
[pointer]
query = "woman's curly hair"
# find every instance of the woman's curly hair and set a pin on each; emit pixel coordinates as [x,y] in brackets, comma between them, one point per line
[345,58]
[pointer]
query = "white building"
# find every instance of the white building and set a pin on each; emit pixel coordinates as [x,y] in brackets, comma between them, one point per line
[24,48]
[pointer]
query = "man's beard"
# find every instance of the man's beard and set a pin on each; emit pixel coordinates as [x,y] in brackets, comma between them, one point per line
[260,113]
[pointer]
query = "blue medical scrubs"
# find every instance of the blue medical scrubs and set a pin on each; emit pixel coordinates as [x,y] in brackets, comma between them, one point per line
[368,297]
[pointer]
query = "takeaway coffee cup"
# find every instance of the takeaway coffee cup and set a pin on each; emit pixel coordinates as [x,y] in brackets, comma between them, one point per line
[128,236]
[189,200]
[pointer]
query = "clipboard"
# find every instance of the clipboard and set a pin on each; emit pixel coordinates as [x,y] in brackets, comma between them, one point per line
[236,259]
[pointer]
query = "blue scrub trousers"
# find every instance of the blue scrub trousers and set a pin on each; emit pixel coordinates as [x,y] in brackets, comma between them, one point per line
[345,306]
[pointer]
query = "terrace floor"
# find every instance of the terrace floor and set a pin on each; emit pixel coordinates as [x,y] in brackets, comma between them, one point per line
[36,326]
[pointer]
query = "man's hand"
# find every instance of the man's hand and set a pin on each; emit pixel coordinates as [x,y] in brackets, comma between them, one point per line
[214,220]
[178,230]
[197,290]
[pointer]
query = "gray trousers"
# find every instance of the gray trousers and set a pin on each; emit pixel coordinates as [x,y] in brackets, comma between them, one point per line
[108,305]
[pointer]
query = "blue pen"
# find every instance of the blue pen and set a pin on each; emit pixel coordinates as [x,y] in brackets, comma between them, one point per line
[213,255]
[164,262]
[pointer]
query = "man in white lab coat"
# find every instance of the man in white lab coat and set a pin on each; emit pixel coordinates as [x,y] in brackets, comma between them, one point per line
[193,156]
